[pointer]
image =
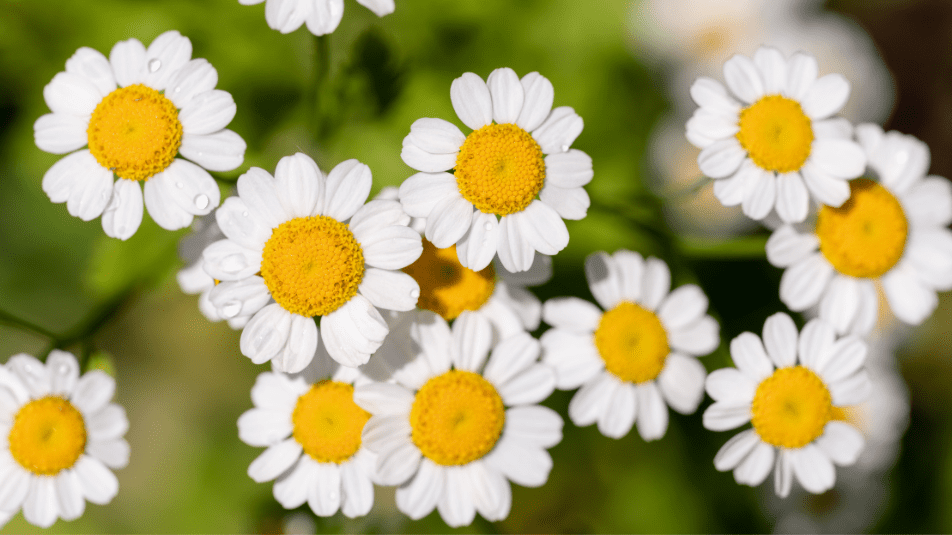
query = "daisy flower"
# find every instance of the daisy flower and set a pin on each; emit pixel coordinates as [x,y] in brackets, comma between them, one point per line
[789,387]
[60,435]
[514,177]
[311,428]
[455,428]
[192,279]
[320,16]
[776,143]
[892,232]
[134,113]
[310,244]
[637,355]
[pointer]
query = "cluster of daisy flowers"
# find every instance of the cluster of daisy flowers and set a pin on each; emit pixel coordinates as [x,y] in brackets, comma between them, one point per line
[398,328]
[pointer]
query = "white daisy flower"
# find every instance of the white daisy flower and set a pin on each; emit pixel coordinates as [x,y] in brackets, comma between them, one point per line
[893,231]
[320,16]
[134,112]
[312,429]
[518,151]
[789,386]
[59,435]
[310,244]
[443,432]
[192,279]
[776,143]
[636,356]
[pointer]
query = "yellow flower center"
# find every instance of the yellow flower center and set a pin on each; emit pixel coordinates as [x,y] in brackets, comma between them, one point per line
[312,265]
[135,132]
[446,287]
[500,169]
[865,237]
[48,436]
[791,407]
[776,133]
[327,422]
[632,342]
[456,418]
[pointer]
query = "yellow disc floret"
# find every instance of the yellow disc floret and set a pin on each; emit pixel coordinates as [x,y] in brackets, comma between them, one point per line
[327,423]
[776,133]
[632,342]
[48,435]
[865,237]
[456,418]
[135,132]
[312,265]
[446,287]
[791,407]
[500,169]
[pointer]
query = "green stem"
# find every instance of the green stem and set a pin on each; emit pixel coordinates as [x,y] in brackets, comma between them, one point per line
[9,319]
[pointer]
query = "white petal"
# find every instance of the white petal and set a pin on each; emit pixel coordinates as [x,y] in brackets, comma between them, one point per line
[396,466]
[239,225]
[128,62]
[802,284]
[208,112]
[730,385]
[840,158]
[786,246]
[711,125]
[515,252]
[540,272]
[276,391]
[755,468]
[491,492]
[652,419]
[841,442]
[86,189]
[456,505]
[40,507]
[384,399]
[123,214]
[780,340]
[112,453]
[543,228]
[572,356]
[709,93]
[419,497]
[736,450]
[69,495]
[325,16]
[840,303]
[274,460]
[159,196]
[826,96]
[591,399]
[535,424]
[801,74]
[783,473]
[773,69]
[357,490]
[570,169]
[682,383]
[107,424]
[422,192]
[196,77]
[700,338]
[929,252]
[436,136]
[324,493]
[222,151]
[815,341]
[383,432]
[99,483]
[760,194]
[375,216]
[392,290]
[656,283]
[421,160]
[722,416]
[507,95]
[265,334]
[71,94]
[472,338]
[742,78]
[264,427]
[722,158]
[511,357]
[258,189]
[471,100]
[618,418]
[539,96]
[836,127]
[14,483]
[379,7]
[302,343]
[393,247]
[854,390]
[683,306]
[522,463]
[228,261]
[167,54]
[813,469]
[559,130]
[31,373]
[93,391]
[60,133]
[353,332]
[530,386]
[571,313]
[190,187]
[930,201]
[824,187]
[63,372]
[569,203]
[792,198]
[346,189]
[604,280]
[630,269]
[291,489]
[93,66]
[868,313]
[749,355]
[239,298]
[477,247]
[910,299]
[449,221]
[730,191]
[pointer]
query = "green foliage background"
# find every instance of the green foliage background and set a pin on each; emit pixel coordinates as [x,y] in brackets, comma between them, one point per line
[184,382]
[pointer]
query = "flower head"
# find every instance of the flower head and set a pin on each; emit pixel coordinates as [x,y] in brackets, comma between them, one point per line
[320,16]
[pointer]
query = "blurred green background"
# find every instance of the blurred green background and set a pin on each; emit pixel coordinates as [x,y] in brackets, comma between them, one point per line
[184,382]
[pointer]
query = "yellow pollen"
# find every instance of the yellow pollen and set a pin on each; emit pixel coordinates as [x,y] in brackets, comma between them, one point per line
[456,418]
[632,342]
[791,407]
[446,287]
[135,132]
[312,265]
[500,169]
[866,236]
[327,423]
[48,436]
[776,133]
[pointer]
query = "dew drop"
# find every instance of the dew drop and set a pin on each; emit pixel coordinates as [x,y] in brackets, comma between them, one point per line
[63,369]
[200,153]
[414,293]
[155,64]
[488,226]
[179,185]
[230,309]
[233,263]
[201,201]
[178,89]
[565,148]
[245,213]
[331,495]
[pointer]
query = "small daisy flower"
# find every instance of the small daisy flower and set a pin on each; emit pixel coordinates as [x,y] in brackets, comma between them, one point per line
[789,387]
[637,355]
[455,428]
[779,144]
[320,16]
[192,279]
[514,177]
[312,429]
[135,112]
[892,232]
[59,435]
[310,244]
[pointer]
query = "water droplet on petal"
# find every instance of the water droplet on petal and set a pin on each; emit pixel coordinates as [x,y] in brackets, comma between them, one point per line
[488,226]
[178,89]
[201,201]
[332,495]
[200,153]
[230,309]
[179,185]
[245,213]
[155,64]
[414,293]
[565,148]
[233,263]
[63,369]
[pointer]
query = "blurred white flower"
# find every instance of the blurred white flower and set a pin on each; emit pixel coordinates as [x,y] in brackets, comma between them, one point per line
[320,16]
